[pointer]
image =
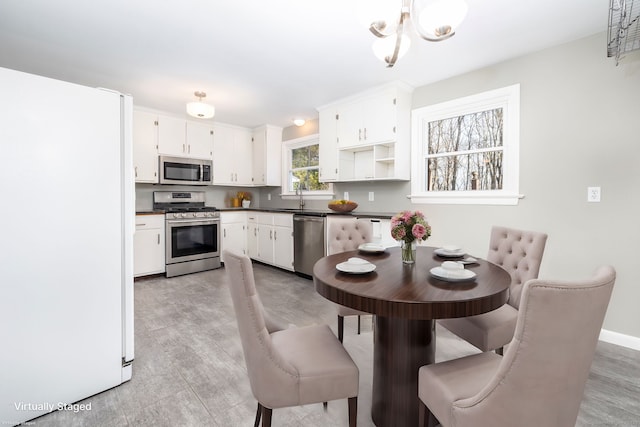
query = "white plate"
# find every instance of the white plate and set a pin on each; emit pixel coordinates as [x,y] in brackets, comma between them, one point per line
[356,268]
[452,275]
[372,247]
[449,254]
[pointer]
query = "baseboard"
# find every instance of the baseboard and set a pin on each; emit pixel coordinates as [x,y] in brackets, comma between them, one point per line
[620,339]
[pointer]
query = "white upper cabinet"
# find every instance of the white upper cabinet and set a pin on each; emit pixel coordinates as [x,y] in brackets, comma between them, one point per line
[145,146]
[328,145]
[232,155]
[267,155]
[172,136]
[200,140]
[367,136]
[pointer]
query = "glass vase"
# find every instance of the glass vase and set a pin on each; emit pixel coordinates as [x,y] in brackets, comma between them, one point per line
[408,251]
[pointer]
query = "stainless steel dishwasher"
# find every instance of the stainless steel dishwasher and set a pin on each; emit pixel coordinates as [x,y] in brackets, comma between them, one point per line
[308,242]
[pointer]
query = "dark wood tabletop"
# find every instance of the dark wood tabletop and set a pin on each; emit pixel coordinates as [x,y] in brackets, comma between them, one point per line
[410,291]
[405,301]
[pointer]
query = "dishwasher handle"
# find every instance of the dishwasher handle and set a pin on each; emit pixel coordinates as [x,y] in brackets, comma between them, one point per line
[307,218]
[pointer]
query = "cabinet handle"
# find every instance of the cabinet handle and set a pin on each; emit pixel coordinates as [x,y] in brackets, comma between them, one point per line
[136,169]
[158,238]
[189,148]
[270,234]
[255,231]
[275,235]
[183,148]
[224,232]
[365,134]
[359,134]
[140,225]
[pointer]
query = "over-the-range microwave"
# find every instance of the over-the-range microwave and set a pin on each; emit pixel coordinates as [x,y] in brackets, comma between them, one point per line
[180,170]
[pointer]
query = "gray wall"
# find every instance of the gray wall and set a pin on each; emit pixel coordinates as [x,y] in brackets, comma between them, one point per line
[579,128]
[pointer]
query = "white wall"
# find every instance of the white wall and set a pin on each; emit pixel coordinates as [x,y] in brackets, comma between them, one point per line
[580,127]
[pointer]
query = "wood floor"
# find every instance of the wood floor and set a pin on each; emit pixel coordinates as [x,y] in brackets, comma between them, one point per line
[189,369]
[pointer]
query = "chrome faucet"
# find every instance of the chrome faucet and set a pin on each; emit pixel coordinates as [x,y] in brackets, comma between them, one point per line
[299,191]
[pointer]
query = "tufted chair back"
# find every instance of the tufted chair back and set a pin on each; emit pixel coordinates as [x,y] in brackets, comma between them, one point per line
[346,234]
[520,253]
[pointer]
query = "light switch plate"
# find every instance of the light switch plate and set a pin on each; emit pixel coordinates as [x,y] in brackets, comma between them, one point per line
[345,196]
[593,194]
[371,197]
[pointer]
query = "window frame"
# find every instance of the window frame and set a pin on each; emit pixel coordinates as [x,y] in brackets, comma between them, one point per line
[507,98]
[287,156]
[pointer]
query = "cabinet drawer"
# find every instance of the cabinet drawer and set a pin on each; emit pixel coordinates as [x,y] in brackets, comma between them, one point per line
[283,220]
[149,222]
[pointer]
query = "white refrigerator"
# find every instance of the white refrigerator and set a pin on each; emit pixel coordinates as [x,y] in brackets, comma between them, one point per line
[66,241]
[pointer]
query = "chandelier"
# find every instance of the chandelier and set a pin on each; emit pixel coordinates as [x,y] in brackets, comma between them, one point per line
[433,21]
[199,109]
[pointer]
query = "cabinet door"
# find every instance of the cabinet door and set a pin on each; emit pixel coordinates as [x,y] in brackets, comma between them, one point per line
[350,125]
[265,243]
[234,237]
[243,158]
[283,247]
[259,141]
[328,145]
[172,136]
[223,154]
[145,146]
[149,245]
[252,238]
[379,117]
[200,140]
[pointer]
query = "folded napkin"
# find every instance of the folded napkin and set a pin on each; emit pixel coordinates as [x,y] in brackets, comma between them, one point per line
[357,261]
[452,270]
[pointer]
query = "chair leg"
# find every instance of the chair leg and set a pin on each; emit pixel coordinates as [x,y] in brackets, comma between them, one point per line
[358,324]
[340,328]
[425,417]
[500,351]
[353,411]
[258,414]
[325,405]
[266,417]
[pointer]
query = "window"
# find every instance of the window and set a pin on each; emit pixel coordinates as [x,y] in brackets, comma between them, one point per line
[466,150]
[302,168]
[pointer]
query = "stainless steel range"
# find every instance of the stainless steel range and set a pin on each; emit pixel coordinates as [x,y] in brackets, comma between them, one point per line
[192,231]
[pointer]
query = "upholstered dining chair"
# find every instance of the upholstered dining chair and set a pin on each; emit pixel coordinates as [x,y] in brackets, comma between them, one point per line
[540,380]
[346,234]
[520,253]
[287,367]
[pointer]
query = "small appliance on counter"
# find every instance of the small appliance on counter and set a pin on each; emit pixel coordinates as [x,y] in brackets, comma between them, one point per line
[192,232]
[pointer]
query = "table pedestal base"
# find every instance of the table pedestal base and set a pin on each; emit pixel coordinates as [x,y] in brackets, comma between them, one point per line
[401,347]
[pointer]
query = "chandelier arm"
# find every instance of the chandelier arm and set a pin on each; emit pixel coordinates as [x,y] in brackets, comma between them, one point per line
[377,28]
[391,61]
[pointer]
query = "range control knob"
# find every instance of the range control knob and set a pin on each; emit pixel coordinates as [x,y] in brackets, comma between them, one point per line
[183,215]
[195,215]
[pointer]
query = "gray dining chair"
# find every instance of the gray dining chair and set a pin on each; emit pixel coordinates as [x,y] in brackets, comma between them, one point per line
[520,253]
[287,367]
[541,378]
[346,234]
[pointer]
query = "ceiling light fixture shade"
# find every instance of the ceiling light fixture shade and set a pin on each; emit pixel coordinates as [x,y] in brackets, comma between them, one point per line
[299,122]
[436,21]
[200,109]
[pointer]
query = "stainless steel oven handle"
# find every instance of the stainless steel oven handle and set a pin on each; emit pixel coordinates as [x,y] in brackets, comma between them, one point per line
[194,222]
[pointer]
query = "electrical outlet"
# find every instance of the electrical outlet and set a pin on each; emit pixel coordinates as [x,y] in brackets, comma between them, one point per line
[268,196]
[345,195]
[371,198]
[593,194]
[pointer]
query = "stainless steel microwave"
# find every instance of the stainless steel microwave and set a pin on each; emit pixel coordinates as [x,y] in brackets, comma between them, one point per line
[180,170]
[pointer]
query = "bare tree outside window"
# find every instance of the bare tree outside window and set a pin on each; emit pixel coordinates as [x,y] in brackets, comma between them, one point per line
[465,152]
[305,164]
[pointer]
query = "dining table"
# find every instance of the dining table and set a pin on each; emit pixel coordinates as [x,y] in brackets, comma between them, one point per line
[405,300]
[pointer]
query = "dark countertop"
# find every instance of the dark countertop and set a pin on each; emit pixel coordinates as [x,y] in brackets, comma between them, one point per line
[314,212]
[309,212]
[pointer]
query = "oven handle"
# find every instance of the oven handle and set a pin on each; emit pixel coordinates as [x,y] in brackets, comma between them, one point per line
[207,221]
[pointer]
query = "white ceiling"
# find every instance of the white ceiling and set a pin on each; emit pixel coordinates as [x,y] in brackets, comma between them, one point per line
[263,61]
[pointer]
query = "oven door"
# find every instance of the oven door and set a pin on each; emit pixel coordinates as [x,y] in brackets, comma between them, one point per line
[189,240]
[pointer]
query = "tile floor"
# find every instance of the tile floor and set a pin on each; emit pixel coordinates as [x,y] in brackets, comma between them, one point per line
[189,368]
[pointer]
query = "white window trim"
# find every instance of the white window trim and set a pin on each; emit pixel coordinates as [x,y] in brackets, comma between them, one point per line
[292,144]
[509,99]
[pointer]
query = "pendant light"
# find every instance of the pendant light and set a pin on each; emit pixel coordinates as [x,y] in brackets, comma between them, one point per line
[200,109]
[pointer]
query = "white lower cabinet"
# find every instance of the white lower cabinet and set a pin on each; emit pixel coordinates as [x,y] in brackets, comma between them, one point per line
[148,245]
[252,235]
[275,239]
[234,232]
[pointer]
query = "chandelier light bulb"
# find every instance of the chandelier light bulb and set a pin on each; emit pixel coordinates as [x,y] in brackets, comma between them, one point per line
[442,17]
